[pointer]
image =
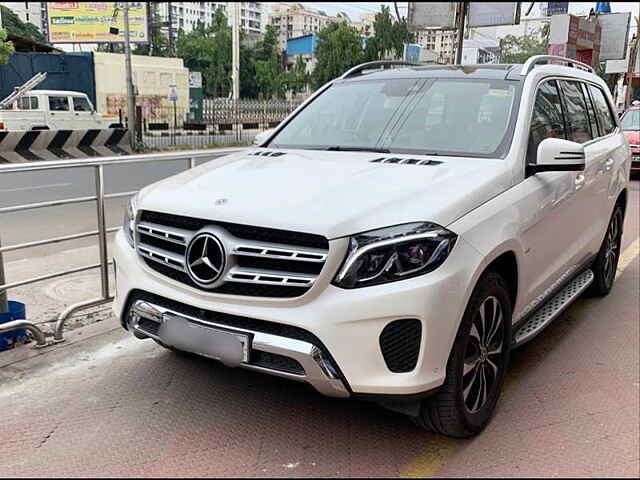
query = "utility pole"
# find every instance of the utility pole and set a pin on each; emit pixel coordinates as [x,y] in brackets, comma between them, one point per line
[235,72]
[170,29]
[462,12]
[131,99]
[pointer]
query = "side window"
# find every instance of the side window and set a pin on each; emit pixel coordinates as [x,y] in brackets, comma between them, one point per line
[34,103]
[547,120]
[24,103]
[592,113]
[576,112]
[58,104]
[603,112]
[81,104]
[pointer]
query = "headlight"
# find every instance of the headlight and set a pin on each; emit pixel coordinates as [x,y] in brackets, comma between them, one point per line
[394,253]
[128,224]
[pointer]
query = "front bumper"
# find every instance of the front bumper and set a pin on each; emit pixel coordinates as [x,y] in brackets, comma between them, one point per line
[344,325]
[316,369]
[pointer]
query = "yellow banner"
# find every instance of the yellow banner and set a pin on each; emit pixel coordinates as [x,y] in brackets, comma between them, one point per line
[90,22]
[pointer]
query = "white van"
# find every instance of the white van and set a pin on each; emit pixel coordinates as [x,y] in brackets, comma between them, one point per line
[54,110]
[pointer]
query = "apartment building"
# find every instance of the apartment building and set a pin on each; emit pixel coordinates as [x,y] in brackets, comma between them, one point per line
[187,15]
[365,25]
[32,12]
[293,20]
[441,42]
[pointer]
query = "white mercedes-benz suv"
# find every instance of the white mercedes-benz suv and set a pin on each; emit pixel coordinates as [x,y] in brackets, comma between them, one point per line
[393,239]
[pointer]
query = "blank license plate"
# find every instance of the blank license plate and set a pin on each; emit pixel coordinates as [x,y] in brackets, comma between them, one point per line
[231,348]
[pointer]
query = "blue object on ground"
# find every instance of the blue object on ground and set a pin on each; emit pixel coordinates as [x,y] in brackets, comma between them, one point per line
[17,311]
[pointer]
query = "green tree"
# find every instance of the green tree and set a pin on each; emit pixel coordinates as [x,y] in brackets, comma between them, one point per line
[271,80]
[208,50]
[14,26]
[519,49]
[298,76]
[339,48]
[6,48]
[158,45]
[389,37]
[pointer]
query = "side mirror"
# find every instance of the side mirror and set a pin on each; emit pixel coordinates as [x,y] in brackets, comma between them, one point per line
[262,137]
[558,155]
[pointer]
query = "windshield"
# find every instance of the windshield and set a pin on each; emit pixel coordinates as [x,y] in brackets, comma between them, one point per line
[428,116]
[631,120]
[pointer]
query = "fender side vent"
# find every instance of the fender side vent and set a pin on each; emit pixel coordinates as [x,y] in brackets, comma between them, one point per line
[400,344]
[405,161]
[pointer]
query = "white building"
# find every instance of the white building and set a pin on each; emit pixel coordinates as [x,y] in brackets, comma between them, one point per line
[187,15]
[441,42]
[31,12]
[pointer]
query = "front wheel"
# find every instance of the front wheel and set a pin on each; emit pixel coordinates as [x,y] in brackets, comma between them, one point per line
[477,364]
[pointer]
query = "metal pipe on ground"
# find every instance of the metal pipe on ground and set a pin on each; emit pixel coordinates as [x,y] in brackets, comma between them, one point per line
[38,335]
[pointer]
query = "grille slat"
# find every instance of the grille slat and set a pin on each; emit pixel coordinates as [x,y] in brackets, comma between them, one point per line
[266,262]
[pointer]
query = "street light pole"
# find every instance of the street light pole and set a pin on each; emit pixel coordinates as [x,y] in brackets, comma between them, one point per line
[235,75]
[131,100]
[235,68]
[462,11]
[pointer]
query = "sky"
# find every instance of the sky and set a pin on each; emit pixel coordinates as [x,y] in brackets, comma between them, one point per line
[354,9]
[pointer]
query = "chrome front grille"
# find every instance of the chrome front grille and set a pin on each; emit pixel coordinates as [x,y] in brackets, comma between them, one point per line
[260,261]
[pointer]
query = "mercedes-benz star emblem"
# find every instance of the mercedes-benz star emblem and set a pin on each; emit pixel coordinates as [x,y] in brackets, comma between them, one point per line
[205,259]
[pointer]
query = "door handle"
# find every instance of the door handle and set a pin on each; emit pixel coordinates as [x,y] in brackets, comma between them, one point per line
[608,164]
[579,181]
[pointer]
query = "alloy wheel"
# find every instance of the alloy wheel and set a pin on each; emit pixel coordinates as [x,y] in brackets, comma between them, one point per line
[612,247]
[483,354]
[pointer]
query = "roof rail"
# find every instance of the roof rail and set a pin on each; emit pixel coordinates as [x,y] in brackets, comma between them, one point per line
[533,61]
[378,63]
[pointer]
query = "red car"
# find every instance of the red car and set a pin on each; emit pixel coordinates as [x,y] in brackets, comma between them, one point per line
[630,123]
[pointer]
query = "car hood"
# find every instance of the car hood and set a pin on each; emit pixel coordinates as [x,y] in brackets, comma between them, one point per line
[328,193]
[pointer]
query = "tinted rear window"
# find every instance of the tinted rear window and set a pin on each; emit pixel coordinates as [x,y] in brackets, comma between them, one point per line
[605,117]
[576,114]
[631,120]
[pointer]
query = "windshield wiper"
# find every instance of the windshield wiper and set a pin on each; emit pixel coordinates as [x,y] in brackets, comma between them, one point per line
[338,148]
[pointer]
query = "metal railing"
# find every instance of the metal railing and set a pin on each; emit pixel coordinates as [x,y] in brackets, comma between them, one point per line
[98,165]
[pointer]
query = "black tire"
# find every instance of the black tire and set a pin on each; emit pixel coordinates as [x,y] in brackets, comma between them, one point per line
[453,411]
[606,263]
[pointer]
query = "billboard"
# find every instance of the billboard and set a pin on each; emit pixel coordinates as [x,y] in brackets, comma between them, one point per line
[557,8]
[615,35]
[428,15]
[89,22]
[487,14]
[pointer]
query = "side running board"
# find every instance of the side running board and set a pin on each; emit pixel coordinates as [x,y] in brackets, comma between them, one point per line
[552,308]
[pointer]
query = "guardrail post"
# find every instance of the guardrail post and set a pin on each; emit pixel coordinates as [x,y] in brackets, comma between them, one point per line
[192,162]
[102,230]
[4,304]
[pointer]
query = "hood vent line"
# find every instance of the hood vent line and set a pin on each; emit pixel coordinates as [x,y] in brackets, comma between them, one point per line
[260,153]
[405,161]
